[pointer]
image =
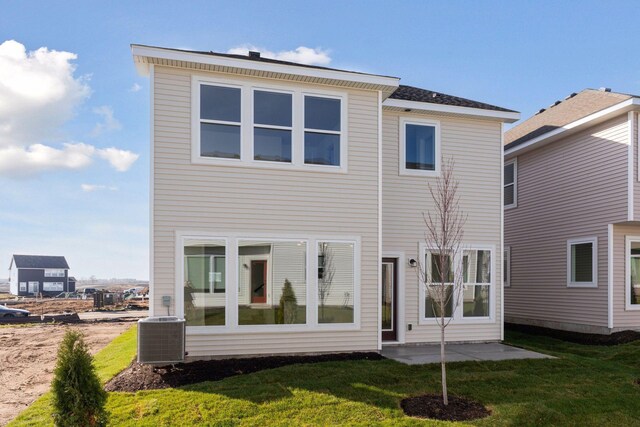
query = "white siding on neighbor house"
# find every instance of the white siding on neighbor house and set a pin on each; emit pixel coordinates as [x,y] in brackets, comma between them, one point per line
[475,146]
[635,152]
[623,318]
[13,281]
[221,199]
[571,188]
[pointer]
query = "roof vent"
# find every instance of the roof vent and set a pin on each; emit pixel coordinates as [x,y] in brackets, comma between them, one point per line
[605,89]
[542,110]
[254,54]
[434,95]
[571,95]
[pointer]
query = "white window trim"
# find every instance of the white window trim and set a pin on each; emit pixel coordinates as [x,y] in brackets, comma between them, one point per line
[247,125]
[491,284]
[627,280]
[507,274]
[291,128]
[48,272]
[513,162]
[231,241]
[404,121]
[44,284]
[341,133]
[458,317]
[594,262]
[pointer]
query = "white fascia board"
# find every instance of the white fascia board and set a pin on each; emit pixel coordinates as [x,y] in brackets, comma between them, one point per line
[600,116]
[505,116]
[200,58]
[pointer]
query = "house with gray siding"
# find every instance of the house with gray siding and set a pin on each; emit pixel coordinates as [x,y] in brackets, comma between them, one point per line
[572,215]
[31,275]
[287,202]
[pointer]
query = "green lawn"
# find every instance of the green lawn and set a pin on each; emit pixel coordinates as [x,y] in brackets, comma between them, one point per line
[585,386]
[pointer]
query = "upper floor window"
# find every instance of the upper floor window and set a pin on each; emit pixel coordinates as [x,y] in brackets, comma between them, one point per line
[582,257]
[511,184]
[49,272]
[220,119]
[272,126]
[268,126]
[322,126]
[419,147]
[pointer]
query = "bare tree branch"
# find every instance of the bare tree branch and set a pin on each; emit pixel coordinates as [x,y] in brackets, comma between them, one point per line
[441,270]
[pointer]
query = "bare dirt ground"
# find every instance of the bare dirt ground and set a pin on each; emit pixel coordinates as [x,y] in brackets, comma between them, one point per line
[28,357]
[54,306]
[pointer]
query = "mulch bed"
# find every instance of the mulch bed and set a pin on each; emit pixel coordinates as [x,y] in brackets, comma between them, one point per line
[431,406]
[146,377]
[622,337]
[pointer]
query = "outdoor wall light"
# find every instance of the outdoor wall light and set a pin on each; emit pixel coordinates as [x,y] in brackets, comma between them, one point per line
[413,262]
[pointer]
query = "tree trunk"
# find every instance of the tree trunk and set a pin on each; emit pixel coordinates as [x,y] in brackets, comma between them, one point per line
[445,396]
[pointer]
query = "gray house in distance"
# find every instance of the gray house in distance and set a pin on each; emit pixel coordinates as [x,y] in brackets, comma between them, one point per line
[39,274]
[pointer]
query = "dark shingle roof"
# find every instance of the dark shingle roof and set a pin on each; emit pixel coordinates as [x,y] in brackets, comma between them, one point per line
[40,261]
[410,93]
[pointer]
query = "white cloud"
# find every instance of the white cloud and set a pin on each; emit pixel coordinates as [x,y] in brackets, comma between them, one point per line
[121,160]
[38,94]
[109,122]
[88,188]
[135,88]
[38,158]
[301,55]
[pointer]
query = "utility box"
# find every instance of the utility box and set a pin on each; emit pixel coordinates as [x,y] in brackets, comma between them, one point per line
[161,340]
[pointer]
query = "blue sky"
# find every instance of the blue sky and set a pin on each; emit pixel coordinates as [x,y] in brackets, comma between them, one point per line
[88,199]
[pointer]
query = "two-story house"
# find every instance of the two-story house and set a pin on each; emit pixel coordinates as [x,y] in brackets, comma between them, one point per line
[39,275]
[287,203]
[572,235]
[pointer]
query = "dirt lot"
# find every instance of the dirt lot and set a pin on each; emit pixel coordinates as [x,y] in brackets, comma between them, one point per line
[54,306]
[28,356]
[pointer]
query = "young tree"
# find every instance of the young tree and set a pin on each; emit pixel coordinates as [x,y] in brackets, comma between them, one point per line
[78,396]
[442,273]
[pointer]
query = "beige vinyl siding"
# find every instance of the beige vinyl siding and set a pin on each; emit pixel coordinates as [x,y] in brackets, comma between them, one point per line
[571,188]
[222,199]
[476,148]
[635,152]
[623,318]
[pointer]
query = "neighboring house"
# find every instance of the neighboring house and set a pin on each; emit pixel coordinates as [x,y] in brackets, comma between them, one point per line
[39,275]
[287,203]
[572,205]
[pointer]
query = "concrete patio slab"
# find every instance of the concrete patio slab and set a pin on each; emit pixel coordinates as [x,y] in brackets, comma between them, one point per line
[430,353]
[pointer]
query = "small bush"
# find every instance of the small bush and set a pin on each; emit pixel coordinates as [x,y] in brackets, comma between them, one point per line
[78,396]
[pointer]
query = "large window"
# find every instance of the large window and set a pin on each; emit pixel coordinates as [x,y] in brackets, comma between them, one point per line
[239,283]
[268,126]
[336,285]
[476,272]
[272,282]
[272,119]
[53,272]
[419,147]
[322,129]
[468,279]
[582,262]
[204,282]
[510,184]
[440,269]
[220,118]
[633,274]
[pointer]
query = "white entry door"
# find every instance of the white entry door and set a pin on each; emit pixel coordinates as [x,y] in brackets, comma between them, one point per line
[33,287]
